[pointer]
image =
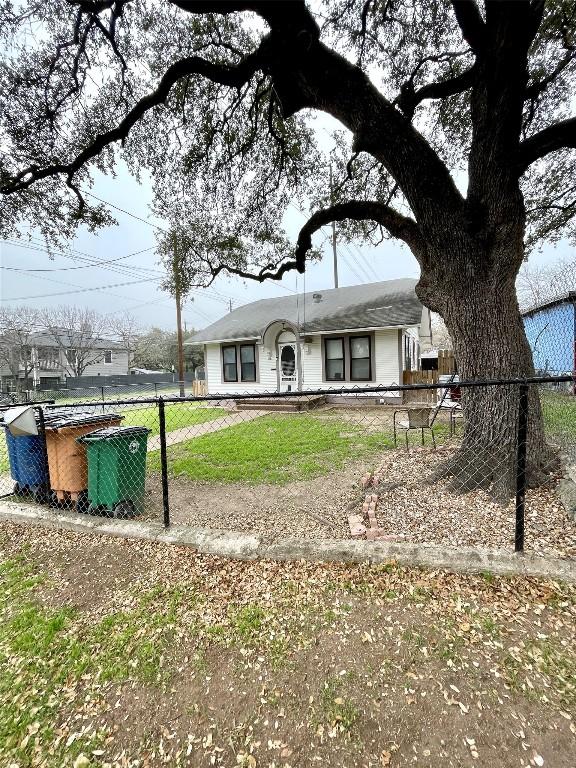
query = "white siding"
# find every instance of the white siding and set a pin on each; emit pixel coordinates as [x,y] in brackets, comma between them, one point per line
[387,363]
[213,364]
[388,368]
[388,359]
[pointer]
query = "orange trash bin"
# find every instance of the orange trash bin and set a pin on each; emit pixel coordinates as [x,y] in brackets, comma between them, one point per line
[67,463]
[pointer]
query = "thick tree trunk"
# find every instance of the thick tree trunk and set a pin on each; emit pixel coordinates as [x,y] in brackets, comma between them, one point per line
[487,330]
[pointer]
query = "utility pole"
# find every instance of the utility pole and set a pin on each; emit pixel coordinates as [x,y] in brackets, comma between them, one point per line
[176,273]
[335,255]
[229,305]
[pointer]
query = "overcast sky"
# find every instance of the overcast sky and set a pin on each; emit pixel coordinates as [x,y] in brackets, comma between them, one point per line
[68,275]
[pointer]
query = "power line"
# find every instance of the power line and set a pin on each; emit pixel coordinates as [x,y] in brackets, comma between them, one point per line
[80,290]
[128,213]
[119,269]
[97,263]
[358,263]
[366,259]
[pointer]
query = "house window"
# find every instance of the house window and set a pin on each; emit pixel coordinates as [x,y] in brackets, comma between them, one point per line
[230,364]
[334,359]
[247,362]
[71,356]
[360,358]
[108,356]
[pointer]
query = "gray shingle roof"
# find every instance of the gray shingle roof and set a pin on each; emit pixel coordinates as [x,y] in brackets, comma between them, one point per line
[48,339]
[372,305]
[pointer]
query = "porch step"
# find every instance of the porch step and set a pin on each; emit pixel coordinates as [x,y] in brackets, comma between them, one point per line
[285,404]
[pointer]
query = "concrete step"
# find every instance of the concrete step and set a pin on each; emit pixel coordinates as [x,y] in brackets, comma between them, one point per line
[283,404]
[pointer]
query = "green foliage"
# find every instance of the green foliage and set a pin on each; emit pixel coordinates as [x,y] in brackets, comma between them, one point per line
[158,350]
[227,161]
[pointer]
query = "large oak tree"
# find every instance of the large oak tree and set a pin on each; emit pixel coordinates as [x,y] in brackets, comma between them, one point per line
[459,142]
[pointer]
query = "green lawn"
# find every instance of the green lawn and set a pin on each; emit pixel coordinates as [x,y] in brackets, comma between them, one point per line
[273,449]
[178,415]
[559,414]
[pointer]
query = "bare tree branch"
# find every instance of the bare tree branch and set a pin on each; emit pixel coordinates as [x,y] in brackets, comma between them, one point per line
[561,135]
[409,97]
[402,227]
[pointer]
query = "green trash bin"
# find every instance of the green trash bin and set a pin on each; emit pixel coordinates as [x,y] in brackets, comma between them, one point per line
[116,470]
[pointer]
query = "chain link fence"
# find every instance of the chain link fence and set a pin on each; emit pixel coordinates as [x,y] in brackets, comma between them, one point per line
[71,395]
[479,464]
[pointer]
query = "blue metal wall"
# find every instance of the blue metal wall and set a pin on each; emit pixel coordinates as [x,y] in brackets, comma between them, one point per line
[550,333]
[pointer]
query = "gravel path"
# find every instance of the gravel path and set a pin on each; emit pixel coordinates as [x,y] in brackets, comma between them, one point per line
[196,430]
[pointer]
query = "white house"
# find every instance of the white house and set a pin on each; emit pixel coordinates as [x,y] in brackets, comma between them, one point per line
[358,336]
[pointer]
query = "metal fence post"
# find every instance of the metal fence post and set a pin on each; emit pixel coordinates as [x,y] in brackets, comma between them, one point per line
[42,431]
[521,467]
[164,462]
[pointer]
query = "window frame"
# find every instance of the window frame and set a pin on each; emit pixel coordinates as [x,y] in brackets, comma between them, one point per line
[224,363]
[369,358]
[341,339]
[107,352]
[71,352]
[242,378]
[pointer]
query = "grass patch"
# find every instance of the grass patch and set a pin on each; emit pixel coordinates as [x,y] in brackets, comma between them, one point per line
[4,463]
[338,712]
[46,654]
[559,411]
[539,664]
[178,415]
[247,622]
[274,449]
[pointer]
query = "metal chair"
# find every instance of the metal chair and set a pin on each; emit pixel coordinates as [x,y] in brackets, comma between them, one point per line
[418,418]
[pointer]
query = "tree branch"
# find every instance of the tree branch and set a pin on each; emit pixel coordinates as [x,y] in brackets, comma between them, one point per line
[470,22]
[399,226]
[234,77]
[561,135]
[409,97]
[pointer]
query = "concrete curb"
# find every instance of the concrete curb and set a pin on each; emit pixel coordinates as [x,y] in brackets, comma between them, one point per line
[250,546]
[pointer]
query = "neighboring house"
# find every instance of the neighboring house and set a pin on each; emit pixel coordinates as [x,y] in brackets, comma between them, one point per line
[550,329]
[52,364]
[343,337]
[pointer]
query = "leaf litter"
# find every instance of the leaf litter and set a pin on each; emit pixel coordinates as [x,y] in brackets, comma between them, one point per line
[134,654]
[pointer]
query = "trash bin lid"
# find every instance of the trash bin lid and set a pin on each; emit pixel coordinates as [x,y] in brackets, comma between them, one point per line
[108,433]
[77,419]
[49,416]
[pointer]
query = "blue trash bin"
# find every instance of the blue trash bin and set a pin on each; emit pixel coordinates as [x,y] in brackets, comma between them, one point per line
[28,465]
[28,461]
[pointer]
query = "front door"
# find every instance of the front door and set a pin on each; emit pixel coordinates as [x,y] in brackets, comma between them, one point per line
[288,367]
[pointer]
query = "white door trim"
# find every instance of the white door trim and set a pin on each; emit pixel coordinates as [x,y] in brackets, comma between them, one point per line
[288,382]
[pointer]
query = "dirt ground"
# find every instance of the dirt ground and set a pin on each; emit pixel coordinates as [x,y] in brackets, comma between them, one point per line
[315,508]
[409,507]
[289,665]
